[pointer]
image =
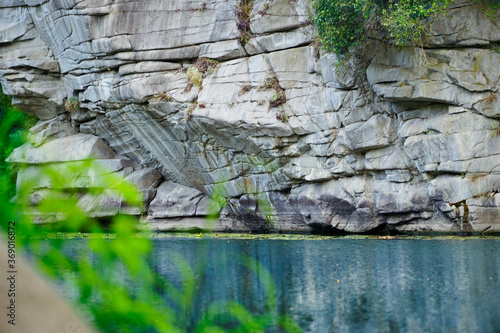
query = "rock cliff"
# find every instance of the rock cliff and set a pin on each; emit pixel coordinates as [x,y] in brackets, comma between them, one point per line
[190,98]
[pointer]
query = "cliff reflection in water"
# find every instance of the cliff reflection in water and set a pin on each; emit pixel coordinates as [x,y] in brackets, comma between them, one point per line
[353,285]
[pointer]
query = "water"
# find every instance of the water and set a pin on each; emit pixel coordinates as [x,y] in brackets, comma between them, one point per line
[346,284]
[353,285]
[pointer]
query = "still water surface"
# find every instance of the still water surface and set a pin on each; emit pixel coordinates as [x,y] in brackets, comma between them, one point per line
[353,285]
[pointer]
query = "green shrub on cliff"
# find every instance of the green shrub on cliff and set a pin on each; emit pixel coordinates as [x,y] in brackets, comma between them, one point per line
[408,22]
[341,23]
[344,24]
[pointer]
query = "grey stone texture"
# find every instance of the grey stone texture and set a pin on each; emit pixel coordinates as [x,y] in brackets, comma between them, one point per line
[287,139]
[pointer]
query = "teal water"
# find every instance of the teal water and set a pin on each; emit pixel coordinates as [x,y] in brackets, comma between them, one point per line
[352,285]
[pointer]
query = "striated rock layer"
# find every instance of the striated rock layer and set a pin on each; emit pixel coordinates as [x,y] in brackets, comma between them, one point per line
[288,141]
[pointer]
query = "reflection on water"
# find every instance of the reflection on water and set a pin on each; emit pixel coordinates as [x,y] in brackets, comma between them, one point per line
[353,285]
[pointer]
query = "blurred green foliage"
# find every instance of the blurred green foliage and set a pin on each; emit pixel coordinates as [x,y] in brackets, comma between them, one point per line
[13,128]
[112,277]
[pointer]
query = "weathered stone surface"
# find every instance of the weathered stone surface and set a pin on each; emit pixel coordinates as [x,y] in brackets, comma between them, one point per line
[456,77]
[223,50]
[65,167]
[279,15]
[147,67]
[58,127]
[146,181]
[395,198]
[196,224]
[76,174]
[106,204]
[453,189]
[465,25]
[72,148]
[483,212]
[291,141]
[452,153]
[375,133]
[282,40]
[174,200]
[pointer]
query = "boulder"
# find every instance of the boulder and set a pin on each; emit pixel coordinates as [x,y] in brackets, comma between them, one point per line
[175,200]
[72,148]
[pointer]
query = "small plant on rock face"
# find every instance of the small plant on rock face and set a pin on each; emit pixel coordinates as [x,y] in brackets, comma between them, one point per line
[279,97]
[243,15]
[282,116]
[270,82]
[162,97]
[72,104]
[199,71]
[194,76]
[244,89]
[189,110]
[244,39]
[497,130]
[221,200]
[205,65]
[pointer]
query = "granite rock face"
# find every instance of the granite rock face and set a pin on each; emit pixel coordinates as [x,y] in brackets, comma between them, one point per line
[170,96]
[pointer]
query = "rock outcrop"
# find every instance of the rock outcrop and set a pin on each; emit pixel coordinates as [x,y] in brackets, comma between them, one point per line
[187,101]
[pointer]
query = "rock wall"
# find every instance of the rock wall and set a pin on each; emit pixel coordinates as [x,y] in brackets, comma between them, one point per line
[268,122]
